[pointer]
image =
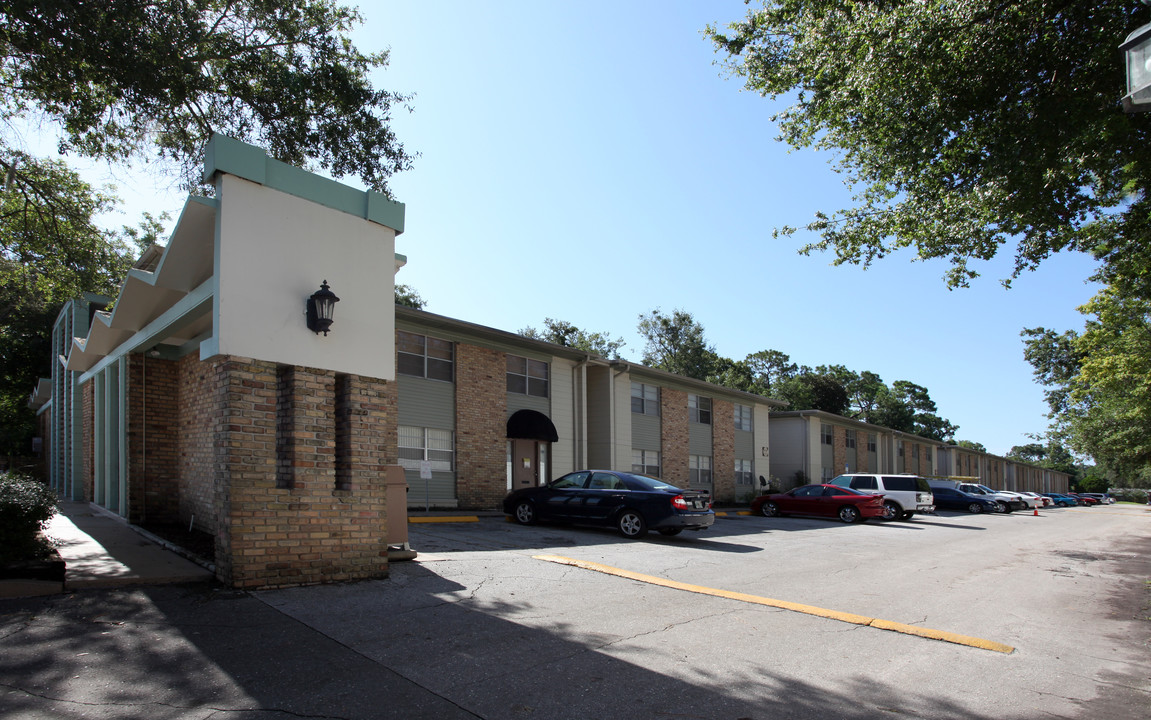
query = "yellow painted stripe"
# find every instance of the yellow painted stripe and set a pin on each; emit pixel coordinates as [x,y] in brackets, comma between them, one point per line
[444,519]
[785,605]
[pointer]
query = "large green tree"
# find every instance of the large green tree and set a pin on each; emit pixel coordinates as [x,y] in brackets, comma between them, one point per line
[564,333]
[676,343]
[964,126]
[127,81]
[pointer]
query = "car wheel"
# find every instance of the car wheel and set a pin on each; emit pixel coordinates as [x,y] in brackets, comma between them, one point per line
[669,532]
[849,514]
[769,509]
[631,524]
[908,515]
[891,511]
[974,508]
[525,513]
[1000,507]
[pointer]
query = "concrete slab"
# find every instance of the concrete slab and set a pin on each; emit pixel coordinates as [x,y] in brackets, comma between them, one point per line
[102,550]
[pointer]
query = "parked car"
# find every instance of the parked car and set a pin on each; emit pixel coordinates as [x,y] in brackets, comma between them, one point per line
[952,499]
[1047,502]
[822,500]
[1007,500]
[904,495]
[1031,500]
[631,503]
[1103,498]
[1062,500]
[1087,499]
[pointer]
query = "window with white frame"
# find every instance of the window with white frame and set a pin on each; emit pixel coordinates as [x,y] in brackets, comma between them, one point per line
[699,409]
[645,462]
[699,472]
[742,417]
[825,435]
[418,444]
[527,376]
[644,399]
[422,356]
[743,472]
[849,438]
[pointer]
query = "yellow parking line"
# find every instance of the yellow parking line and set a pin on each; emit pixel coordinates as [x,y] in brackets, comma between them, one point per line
[785,605]
[445,519]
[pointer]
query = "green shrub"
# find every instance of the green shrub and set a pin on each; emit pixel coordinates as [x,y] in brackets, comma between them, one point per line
[26,505]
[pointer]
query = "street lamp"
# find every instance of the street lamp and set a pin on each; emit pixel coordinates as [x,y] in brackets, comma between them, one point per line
[1137,53]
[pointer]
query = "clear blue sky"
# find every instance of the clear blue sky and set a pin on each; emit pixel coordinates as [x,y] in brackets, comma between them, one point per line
[590,162]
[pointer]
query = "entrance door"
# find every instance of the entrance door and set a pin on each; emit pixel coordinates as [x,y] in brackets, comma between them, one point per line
[525,463]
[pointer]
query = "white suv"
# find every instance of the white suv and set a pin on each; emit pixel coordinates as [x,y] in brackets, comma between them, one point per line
[903,495]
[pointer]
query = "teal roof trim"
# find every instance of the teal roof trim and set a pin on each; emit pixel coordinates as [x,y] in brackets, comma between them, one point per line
[225,154]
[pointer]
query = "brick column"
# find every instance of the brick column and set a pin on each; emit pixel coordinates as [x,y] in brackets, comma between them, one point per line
[481,426]
[723,450]
[674,436]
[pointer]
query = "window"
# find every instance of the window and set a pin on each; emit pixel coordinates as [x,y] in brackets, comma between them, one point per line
[435,446]
[699,409]
[927,454]
[849,438]
[825,436]
[743,472]
[915,452]
[645,462]
[644,399]
[743,417]
[527,376]
[424,357]
[871,442]
[699,472]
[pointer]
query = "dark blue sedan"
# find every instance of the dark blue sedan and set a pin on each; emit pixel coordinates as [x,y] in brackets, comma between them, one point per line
[628,502]
[952,499]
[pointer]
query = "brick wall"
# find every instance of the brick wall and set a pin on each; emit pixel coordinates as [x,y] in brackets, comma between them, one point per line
[481,434]
[318,529]
[200,405]
[838,449]
[674,436]
[723,451]
[153,440]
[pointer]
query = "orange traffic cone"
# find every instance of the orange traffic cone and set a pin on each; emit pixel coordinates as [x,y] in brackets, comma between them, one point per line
[1035,512]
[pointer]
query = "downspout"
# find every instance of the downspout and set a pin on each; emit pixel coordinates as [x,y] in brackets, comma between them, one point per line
[806,450]
[580,410]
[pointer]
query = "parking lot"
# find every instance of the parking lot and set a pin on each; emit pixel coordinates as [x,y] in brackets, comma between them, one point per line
[755,618]
[486,622]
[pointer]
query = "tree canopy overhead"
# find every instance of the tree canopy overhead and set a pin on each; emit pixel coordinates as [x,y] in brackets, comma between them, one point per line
[130,79]
[963,126]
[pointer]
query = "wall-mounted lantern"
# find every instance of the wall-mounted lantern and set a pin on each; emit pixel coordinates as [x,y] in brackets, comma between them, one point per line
[321,307]
[1137,55]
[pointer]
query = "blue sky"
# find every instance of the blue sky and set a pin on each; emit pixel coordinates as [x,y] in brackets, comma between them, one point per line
[590,162]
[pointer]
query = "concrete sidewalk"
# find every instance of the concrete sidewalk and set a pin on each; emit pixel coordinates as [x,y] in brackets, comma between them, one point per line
[102,550]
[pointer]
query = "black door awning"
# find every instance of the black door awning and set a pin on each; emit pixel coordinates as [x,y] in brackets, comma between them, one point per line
[531,425]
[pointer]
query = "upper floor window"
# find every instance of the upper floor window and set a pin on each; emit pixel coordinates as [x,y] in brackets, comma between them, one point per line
[743,417]
[849,438]
[699,409]
[425,357]
[825,434]
[644,399]
[915,452]
[527,376]
[871,442]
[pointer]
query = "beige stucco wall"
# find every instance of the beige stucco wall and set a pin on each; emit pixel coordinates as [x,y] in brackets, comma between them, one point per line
[272,252]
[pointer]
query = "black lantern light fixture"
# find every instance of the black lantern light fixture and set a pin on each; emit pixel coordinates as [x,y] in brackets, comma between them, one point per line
[321,307]
[1137,56]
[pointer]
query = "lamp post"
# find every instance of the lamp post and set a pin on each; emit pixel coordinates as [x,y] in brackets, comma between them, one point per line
[1137,55]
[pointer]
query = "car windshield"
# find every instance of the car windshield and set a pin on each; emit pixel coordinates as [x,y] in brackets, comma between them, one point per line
[986,489]
[846,491]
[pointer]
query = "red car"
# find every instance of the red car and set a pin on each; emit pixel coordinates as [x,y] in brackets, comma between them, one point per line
[823,500]
[1087,499]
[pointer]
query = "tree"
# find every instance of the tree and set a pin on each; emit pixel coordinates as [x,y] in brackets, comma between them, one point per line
[812,391]
[1034,453]
[407,296]
[564,333]
[964,126]
[971,445]
[675,343]
[770,367]
[127,79]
